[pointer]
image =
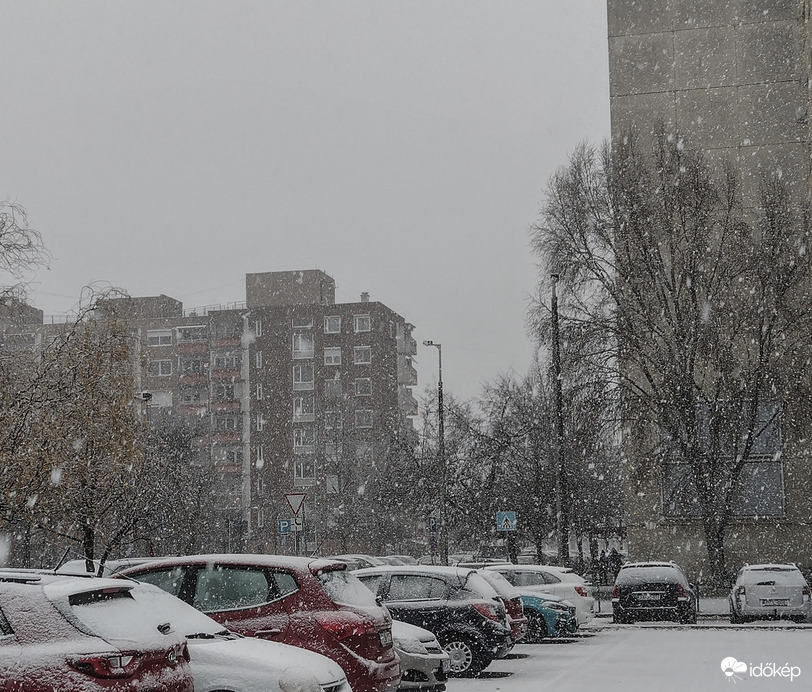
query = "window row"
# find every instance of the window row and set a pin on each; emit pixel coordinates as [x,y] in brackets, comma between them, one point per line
[304,438]
[303,349]
[332,323]
[306,465]
[196,365]
[200,393]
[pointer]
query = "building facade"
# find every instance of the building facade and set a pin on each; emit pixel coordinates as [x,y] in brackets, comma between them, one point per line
[732,77]
[286,392]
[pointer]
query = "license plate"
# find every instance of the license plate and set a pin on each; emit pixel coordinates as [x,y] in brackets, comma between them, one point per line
[647,596]
[446,665]
[385,637]
[775,601]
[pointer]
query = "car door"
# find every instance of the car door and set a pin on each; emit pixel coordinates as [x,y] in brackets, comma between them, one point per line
[244,598]
[418,599]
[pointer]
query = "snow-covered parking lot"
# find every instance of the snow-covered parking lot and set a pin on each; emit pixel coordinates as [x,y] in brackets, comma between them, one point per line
[656,656]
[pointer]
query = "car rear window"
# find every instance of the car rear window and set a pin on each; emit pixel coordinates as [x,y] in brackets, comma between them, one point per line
[343,587]
[114,615]
[779,576]
[170,580]
[477,587]
[637,575]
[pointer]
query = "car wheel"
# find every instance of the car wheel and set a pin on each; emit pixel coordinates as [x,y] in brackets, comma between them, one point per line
[536,628]
[466,658]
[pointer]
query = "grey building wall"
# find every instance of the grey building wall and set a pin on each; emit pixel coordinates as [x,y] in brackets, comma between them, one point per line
[732,75]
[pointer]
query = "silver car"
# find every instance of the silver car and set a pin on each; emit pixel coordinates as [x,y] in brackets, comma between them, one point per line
[767,592]
[423,662]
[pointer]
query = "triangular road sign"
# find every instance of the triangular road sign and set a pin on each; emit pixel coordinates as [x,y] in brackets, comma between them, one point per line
[507,524]
[295,501]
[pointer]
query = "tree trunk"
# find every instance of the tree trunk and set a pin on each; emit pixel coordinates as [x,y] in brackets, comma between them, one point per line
[715,540]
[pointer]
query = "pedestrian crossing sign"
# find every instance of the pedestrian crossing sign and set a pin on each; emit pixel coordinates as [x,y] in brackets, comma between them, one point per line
[506,521]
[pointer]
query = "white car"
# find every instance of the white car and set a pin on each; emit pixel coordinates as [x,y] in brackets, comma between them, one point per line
[767,592]
[559,581]
[221,661]
[423,662]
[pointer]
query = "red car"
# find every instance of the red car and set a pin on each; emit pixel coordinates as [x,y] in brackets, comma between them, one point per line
[48,645]
[513,603]
[315,604]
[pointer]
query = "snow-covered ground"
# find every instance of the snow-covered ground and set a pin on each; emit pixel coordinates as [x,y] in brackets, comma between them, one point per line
[656,656]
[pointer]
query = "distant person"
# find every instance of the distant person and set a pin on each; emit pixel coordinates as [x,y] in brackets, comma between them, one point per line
[615,562]
[603,569]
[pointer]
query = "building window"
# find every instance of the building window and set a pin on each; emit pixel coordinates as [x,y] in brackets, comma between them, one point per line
[362,355]
[260,462]
[260,518]
[159,337]
[228,329]
[228,361]
[160,368]
[192,366]
[332,325]
[332,420]
[231,455]
[332,388]
[304,469]
[761,482]
[258,327]
[260,394]
[258,359]
[332,451]
[226,391]
[303,376]
[302,322]
[228,423]
[303,345]
[363,451]
[304,440]
[192,394]
[363,386]
[363,418]
[303,408]
[260,422]
[361,323]
[197,333]
[332,355]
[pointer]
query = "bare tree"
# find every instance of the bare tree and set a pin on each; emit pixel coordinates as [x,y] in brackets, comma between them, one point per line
[691,304]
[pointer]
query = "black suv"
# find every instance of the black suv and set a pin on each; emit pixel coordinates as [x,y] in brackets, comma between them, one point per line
[457,605]
[652,591]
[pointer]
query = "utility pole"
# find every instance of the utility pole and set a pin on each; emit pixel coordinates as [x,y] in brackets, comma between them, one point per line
[561,489]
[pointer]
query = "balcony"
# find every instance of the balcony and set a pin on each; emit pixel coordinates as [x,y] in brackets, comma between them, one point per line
[406,402]
[407,375]
[407,345]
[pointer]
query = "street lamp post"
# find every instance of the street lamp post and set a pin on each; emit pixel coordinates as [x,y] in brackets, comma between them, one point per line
[441,456]
[562,513]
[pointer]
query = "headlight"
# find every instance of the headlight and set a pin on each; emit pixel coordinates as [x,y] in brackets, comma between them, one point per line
[298,680]
[410,646]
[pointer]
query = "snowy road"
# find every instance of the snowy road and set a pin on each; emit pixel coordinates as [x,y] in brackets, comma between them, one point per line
[655,657]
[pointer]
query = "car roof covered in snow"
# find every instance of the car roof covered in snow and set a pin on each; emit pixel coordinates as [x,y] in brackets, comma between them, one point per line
[283,561]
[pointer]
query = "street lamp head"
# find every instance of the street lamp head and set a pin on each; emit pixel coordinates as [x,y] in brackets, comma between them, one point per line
[428,343]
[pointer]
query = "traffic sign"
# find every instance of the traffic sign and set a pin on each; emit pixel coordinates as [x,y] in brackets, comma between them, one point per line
[506,521]
[432,524]
[295,501]
[292,525]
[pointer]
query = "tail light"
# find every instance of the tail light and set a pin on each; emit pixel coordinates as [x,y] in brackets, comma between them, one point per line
[342,624]
[120,665]
[616,593]
[581,591]
[740,590]
[682,594]
[488,611]
[806,592]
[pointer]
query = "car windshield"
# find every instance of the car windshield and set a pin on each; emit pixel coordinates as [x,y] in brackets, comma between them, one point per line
[142,610]
[346,588]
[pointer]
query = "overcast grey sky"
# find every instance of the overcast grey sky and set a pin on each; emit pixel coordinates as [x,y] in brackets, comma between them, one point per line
[400,146]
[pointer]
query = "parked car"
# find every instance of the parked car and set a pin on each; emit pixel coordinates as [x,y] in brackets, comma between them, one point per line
[457,605]
[405,559]
[513,603]
[652,591]
[48,637]
[359,560]
[423,663]
[559,581]
[547,616]
[215,652]
[770,592]
[111,567]
[310,603]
